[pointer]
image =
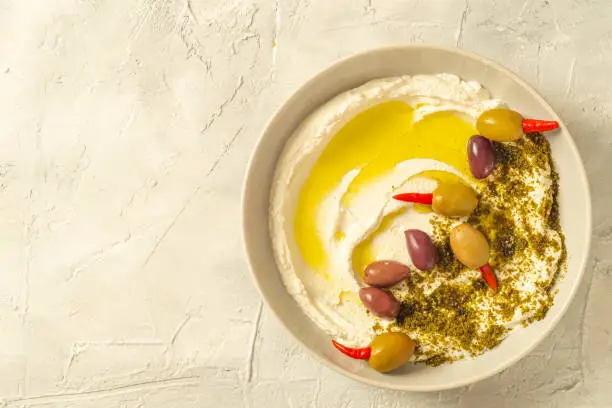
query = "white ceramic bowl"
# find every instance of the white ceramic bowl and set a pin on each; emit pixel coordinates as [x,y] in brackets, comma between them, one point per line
[349,73]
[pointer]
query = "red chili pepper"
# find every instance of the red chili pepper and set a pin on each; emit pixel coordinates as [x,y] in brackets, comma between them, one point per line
[489,276]
[357,353]
[418,198]
[535,125]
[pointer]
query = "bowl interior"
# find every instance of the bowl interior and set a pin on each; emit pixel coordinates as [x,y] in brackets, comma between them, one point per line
[352,72]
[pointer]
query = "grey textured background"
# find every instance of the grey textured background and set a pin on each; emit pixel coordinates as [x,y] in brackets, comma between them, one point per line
[125,130]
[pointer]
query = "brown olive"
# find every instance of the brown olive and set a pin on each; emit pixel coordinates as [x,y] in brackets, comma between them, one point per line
[421,249]
[384,274]
[481,155]
[469,246]
[454,200]
[379,302]
[500,125]
[390,351]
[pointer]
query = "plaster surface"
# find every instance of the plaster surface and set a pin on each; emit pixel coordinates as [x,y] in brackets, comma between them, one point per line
[125,129]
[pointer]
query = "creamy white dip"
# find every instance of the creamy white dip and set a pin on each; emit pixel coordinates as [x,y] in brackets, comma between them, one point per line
[330,300]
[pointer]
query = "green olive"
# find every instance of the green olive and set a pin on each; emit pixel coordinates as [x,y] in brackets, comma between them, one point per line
[469,246]
[500,125]
[390,351]
[454,200]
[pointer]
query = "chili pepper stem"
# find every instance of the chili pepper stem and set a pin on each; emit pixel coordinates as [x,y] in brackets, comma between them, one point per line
[535,125]
[419,198]
[356,353]
[489,276]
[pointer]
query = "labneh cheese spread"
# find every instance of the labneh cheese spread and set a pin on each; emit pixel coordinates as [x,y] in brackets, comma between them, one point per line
[337,207]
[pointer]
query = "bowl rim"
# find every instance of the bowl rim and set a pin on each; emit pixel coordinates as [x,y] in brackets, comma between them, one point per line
[582,174]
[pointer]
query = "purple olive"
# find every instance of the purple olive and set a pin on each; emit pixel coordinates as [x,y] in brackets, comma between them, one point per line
[384,274]
[481,156]
[421,249]
[380,302]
